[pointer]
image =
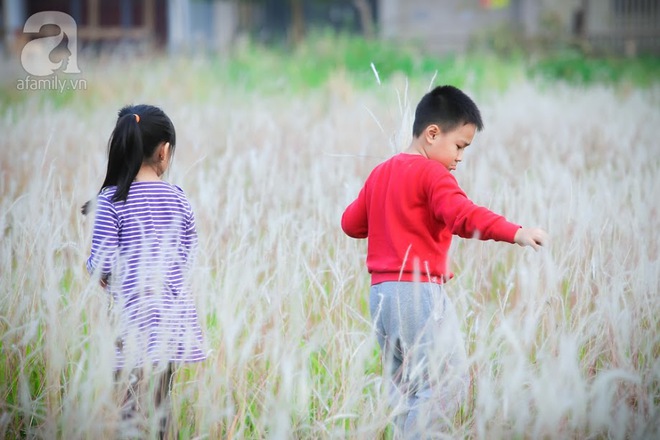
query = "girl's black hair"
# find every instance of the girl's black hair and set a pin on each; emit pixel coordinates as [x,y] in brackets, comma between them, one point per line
[139,130]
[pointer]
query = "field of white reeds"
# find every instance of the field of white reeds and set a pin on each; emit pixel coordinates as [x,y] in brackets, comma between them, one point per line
[563,343]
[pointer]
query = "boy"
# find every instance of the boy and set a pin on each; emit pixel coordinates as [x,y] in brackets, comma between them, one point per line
[409,208]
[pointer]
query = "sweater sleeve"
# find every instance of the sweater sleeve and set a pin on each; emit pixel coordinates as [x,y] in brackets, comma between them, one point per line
[451,206]
[105,238]
[354,221]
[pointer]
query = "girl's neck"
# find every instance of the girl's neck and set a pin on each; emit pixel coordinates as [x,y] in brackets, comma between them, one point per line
[147,174]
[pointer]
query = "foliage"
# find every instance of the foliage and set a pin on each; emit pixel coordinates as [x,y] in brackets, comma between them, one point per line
[325,55]
[573,67]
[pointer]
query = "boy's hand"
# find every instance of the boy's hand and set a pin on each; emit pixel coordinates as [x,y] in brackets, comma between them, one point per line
[533,237]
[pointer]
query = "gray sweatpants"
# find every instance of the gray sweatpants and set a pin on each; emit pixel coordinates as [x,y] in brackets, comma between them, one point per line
[423,355]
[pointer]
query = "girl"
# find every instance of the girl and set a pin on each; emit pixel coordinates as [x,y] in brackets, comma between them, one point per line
[142,247]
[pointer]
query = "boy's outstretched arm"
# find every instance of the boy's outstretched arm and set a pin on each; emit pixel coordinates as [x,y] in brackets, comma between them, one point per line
[465,219]
[533,237]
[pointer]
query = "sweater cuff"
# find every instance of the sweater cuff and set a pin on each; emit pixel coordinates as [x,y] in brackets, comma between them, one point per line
[508,232]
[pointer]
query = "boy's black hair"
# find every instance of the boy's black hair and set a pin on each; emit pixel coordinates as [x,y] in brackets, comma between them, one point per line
[139,130]
[448,107]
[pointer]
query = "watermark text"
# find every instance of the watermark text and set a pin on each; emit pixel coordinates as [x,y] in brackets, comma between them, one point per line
[51,83]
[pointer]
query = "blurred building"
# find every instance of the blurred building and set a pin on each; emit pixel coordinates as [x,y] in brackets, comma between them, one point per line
[609,26]
[612,26]
[182,25]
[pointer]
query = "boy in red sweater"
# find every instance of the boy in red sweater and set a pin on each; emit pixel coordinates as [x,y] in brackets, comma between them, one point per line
[409,208]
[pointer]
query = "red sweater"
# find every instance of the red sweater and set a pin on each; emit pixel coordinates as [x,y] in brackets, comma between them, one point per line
[409,208]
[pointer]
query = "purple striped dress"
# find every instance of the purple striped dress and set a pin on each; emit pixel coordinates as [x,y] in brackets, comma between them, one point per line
[144,247]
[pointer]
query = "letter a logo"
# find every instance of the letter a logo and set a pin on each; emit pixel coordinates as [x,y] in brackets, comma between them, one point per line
[35,56]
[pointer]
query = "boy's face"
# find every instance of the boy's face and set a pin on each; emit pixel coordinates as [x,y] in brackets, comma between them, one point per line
[447,148]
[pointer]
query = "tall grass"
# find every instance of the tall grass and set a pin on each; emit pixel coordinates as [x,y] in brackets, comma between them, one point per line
[563,343]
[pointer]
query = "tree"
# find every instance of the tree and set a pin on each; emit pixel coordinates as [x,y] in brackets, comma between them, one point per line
[365,13]
[297,29]
[297,32]
[366,17]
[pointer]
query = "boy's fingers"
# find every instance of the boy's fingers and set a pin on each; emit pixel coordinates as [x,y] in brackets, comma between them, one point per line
[543,238]
[534,238]
[540,240]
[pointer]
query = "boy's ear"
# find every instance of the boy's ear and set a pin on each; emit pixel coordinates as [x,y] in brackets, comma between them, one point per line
[431,132]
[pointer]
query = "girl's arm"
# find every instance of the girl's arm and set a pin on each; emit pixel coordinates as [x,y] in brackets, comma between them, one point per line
[105,240]
[191,241]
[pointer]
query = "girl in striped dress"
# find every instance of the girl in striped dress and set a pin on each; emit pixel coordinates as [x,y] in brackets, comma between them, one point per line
[143,245]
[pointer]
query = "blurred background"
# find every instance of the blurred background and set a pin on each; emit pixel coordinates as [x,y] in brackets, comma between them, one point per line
[558,34]
[623,27]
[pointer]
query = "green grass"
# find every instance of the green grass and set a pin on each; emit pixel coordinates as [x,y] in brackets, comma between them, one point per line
[315,60]
[280,68]
[572,67]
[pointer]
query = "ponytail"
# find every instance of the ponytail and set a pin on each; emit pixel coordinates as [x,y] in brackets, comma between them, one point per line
[139,130]
[125,156]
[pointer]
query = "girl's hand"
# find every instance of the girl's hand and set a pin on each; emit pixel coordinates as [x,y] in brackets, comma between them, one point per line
[533,237]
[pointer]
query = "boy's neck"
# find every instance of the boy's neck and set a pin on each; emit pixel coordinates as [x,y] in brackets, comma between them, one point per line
[416,148]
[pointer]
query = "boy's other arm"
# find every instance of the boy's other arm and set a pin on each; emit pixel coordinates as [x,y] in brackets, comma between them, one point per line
[354,221]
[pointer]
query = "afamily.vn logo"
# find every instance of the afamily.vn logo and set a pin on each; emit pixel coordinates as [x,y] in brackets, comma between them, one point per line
[44,56]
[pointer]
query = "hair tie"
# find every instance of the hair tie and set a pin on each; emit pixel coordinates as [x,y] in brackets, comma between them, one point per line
[137,117]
